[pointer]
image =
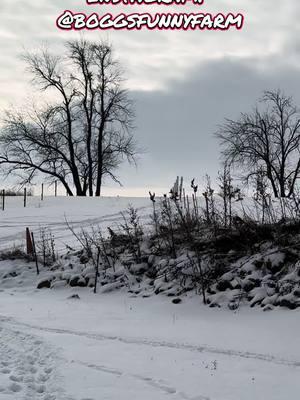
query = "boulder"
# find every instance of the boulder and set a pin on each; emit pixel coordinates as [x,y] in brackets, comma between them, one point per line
[176,301]
[78,280]
[223,285]
[297,292]
[74,296]
[235,284]
[233,305]
[57,284]
[214,305]
[288,303]
[84,259]
[210,291]
[250,284]
[44,284]
[268,307]
[138,269]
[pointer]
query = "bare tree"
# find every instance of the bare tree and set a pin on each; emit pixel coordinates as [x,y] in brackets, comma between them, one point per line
[266,141]
[85,134]
[107,110]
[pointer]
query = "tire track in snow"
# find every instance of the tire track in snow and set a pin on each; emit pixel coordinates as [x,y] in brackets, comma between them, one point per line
[60,228]
[159,384]
[165,344]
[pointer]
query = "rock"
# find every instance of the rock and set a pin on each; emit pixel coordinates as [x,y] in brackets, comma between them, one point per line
[290,304]
[84,259]
[233,305]
[259,294]
[268,307]
[214,305]
[78,280]
[296,292]
[271,284]
[249,284]
[210,291]
[258,264]
[223,285]
[151,272]
[91,282]
[235,284]
[176,301]
[10,275]
[44,284]
[270,300]
[58,284]
[74,296]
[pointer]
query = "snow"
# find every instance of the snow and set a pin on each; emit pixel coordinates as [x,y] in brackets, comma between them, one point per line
[114,345]
[53,212]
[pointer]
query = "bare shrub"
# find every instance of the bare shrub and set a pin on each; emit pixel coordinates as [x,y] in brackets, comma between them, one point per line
[45,246]
[132,228]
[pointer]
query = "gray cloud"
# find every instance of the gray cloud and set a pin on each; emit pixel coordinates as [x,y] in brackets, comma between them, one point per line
[177,125]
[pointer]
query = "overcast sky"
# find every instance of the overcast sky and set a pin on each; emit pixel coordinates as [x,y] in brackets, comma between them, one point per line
[184,83]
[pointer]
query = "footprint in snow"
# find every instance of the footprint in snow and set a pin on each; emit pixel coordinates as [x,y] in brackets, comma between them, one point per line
[15,387]
[49,397]
[15,378]
[42,378]
[5,371]
[25,366]
[5,363]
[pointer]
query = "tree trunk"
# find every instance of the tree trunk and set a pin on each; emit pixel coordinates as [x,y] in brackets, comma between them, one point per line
[99,181]
[90,159]
[271,179]
[74,169]
[99,185]
[282,190]
[100,160]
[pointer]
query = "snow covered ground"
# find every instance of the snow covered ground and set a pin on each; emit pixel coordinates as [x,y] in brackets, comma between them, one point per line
[117,347]
[53,212]
[114,346]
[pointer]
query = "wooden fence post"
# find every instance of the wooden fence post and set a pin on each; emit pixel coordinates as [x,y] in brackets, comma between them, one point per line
[55,188]
[42,194]
[25,197]
[29,247]
[3,199]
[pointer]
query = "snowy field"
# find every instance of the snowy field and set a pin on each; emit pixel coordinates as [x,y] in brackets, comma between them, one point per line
[117,347]
[53,212]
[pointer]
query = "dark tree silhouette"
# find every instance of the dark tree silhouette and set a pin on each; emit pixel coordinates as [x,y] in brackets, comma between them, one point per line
[85,134]
[266,141]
